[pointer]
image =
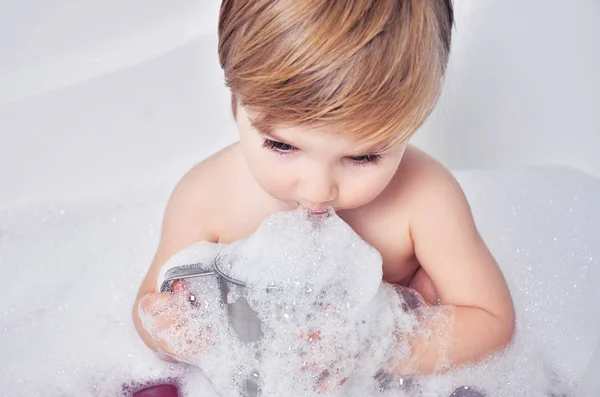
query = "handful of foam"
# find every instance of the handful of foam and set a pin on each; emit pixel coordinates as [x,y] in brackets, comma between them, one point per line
[317,289]
[294,250]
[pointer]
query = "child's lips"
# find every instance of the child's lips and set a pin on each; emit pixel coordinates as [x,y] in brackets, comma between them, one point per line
[314,212]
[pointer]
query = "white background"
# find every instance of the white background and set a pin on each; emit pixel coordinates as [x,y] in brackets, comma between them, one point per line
[94,95]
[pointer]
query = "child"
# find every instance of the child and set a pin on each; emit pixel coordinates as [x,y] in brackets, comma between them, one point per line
[326,95]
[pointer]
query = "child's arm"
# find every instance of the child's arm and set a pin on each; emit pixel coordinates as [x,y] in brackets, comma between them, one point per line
[464,273]
[185,222]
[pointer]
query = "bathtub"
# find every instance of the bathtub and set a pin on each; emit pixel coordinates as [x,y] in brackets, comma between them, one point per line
[103,107]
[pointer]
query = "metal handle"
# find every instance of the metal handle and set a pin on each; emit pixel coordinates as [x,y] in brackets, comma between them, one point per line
[183,272]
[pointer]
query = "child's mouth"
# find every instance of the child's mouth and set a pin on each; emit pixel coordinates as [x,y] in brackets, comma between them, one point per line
[316,213]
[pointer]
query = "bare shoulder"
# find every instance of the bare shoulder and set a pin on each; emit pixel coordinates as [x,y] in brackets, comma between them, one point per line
[424,178]
[202,188]
[432,195]
[420,183]
[191,215]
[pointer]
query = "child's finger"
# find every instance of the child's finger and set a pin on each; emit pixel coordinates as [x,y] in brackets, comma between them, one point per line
[424,286]
[186,344]
[327,382]
[153,302]
[160,308]
[312,336]
[165,348]
[179,286]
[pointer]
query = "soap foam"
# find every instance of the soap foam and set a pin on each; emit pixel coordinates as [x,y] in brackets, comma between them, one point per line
[71,274]
[329,323]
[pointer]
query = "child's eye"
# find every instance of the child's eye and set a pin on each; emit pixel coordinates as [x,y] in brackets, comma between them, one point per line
[368,159]
[278,147]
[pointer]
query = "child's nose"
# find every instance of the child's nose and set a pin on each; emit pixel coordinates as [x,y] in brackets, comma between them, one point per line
[317,194]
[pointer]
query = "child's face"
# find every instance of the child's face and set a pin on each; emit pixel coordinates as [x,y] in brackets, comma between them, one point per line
[315,169]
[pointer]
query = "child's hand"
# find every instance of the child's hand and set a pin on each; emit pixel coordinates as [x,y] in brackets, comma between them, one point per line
[169,319]
[328,373]
[324,355]
[331,363]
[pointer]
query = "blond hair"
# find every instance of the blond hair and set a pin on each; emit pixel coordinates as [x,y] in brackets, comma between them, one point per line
[372,69]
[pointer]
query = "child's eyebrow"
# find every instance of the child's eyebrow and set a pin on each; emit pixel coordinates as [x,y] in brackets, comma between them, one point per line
[268,132]
[378,147]
[271,135]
